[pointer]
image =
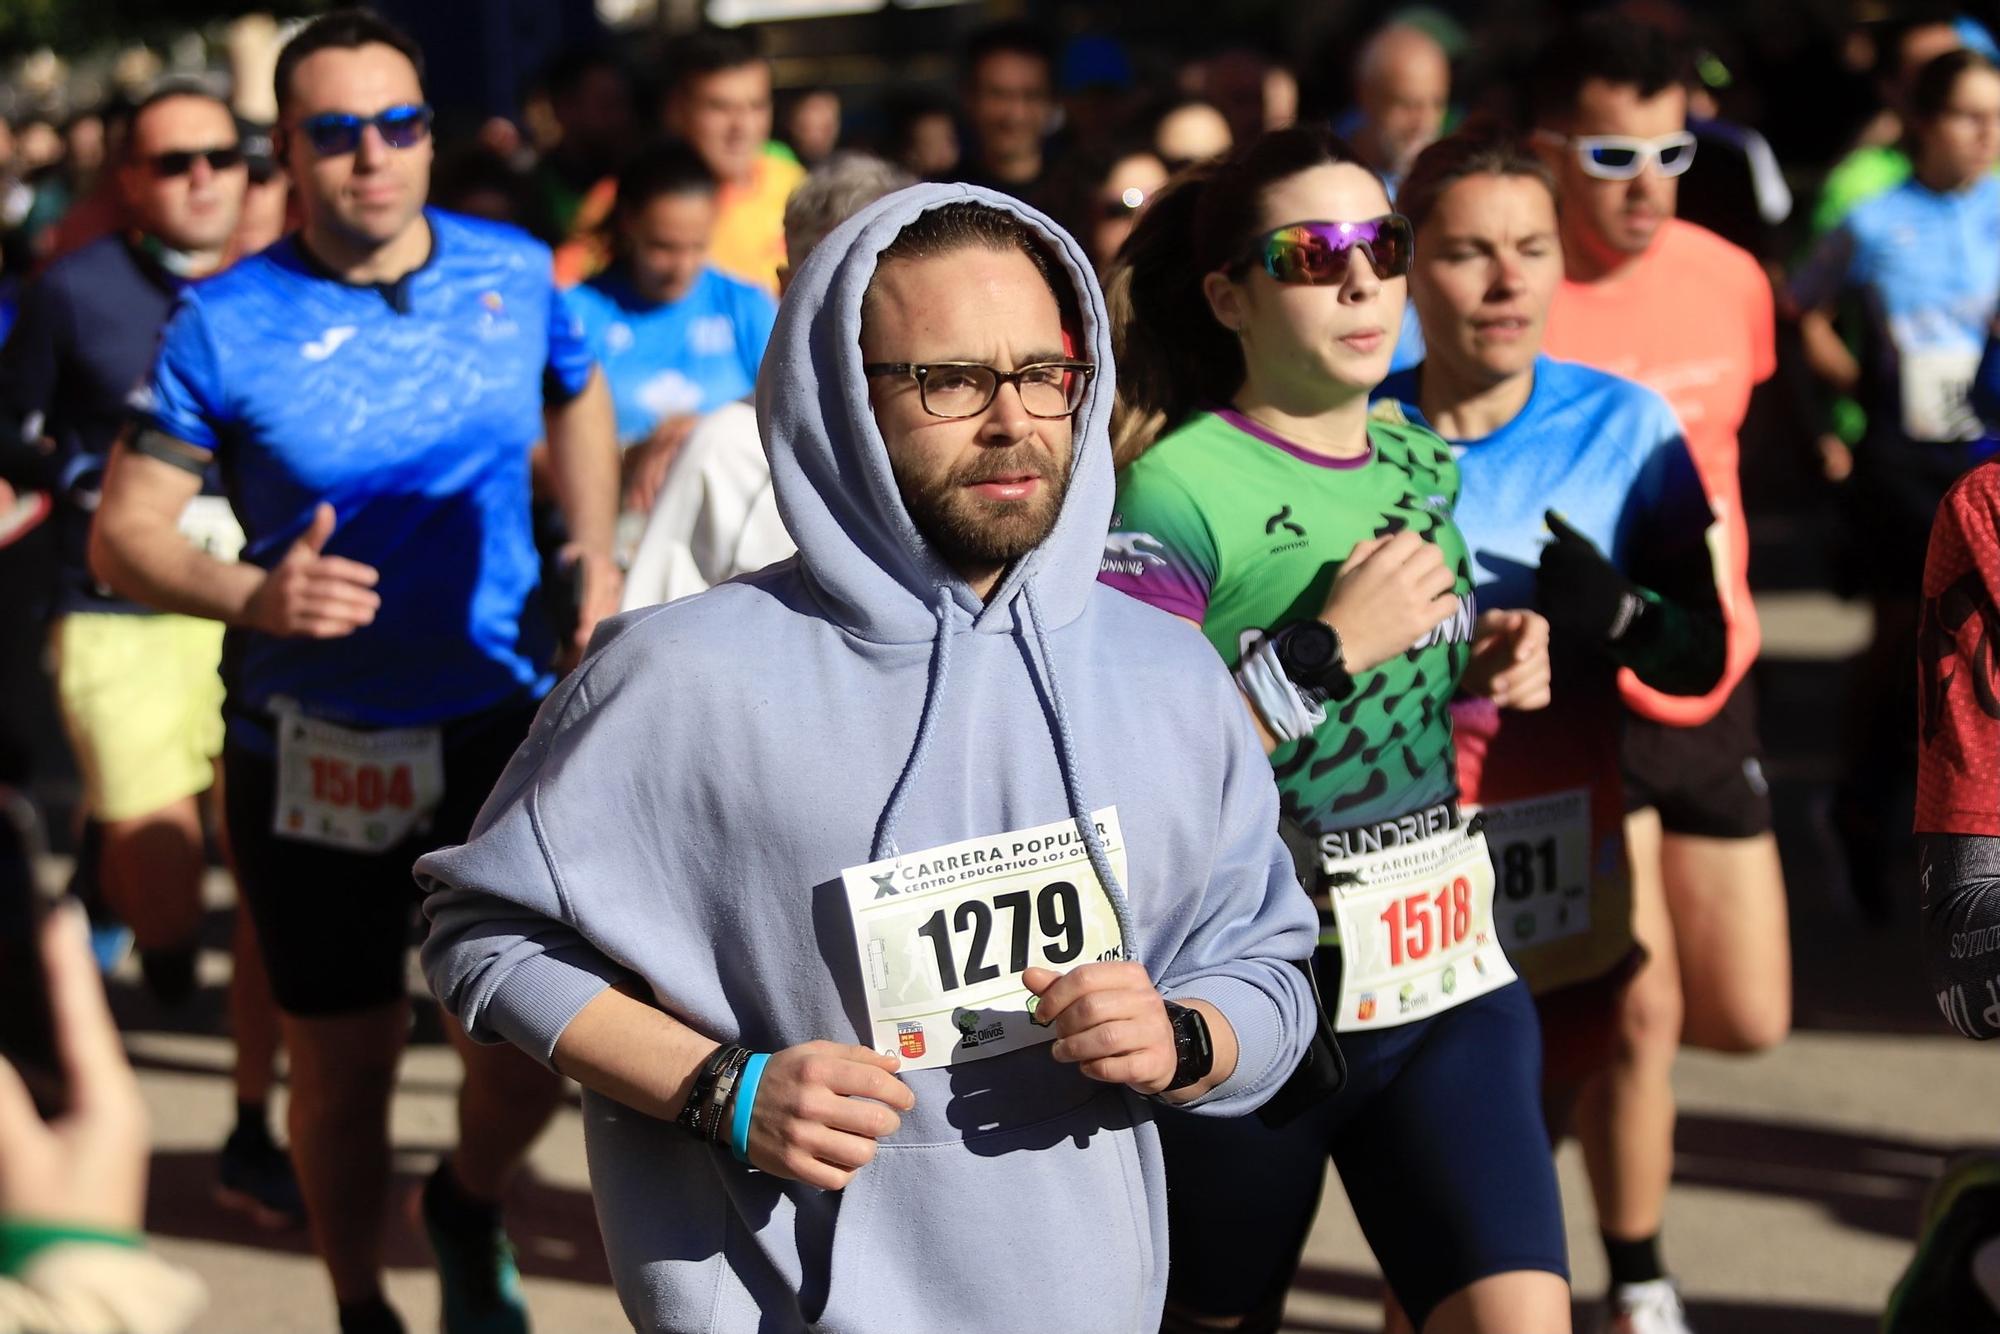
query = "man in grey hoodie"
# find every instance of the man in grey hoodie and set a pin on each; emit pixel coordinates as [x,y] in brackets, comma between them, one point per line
[914,870]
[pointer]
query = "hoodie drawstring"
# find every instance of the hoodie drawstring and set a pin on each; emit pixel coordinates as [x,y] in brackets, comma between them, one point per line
[885,830]
[1079,809]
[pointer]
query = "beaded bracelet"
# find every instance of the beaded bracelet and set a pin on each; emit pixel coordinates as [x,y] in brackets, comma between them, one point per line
[718,1098]
[702,1114]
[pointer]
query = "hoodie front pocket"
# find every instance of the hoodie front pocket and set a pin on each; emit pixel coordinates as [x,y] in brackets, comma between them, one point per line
[1048,1226]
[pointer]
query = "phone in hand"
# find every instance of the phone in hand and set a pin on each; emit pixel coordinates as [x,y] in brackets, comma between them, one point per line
[27,1020]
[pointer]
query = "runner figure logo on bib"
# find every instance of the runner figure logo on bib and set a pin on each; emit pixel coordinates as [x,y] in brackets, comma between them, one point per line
[945,934]
[1416,930]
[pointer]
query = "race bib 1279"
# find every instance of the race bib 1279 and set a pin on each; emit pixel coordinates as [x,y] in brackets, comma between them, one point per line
[945,934]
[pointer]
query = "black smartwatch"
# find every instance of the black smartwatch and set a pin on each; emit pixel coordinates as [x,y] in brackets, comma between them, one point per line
[1309,652]
[1194,1053]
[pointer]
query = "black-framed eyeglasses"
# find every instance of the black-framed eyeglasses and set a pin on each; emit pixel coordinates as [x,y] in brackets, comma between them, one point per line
[334,133]
[956,389]
[180,163]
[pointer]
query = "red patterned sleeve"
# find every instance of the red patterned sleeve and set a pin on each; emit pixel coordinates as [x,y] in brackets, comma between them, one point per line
[1958,663]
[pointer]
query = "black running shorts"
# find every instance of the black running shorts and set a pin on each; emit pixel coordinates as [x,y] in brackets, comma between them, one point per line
[1708,780]
[335,926]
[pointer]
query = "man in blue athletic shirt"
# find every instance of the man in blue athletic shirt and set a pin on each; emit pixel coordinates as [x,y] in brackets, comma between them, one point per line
[371,388]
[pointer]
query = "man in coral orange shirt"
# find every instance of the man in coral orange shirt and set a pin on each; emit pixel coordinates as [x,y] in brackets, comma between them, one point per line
[1681,310]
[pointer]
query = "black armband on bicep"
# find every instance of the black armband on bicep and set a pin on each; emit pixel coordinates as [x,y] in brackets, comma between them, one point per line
[168,449]
[1960,876]
[556,394]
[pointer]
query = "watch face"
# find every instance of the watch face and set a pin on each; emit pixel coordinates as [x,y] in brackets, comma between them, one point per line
[1309,646]
[1192,1046]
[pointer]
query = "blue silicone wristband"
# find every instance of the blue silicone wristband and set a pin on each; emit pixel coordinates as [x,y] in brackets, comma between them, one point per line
[743,1104]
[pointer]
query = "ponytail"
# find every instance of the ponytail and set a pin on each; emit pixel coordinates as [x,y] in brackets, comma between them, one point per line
[1172,356]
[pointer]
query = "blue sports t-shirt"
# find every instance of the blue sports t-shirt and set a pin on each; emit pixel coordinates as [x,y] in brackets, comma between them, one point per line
[686,356]
[1608,455]
[1927,269]
[410,408]
[1605,453]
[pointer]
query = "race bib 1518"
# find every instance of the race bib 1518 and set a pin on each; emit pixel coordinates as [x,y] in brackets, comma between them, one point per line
[1416,931]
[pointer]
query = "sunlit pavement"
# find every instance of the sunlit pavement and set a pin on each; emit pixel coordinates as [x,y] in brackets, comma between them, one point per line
[1799,1173]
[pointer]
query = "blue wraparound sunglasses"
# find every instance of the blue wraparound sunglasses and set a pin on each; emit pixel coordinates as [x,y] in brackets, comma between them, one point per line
[333,133]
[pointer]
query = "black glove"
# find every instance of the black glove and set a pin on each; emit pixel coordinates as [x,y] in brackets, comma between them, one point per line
[1580,591]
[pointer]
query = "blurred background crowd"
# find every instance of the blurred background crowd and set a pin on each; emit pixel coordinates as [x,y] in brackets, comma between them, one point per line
[654,145]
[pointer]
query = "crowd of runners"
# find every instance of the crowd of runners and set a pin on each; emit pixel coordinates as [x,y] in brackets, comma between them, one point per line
[1012,684]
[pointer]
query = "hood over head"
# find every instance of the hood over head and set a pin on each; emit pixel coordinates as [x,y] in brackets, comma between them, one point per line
[858,546]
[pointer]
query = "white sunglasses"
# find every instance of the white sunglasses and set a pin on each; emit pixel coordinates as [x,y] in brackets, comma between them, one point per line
[1620,157]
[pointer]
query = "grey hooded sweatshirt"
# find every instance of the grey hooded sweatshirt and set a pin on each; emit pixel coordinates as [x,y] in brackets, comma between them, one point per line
[687,801]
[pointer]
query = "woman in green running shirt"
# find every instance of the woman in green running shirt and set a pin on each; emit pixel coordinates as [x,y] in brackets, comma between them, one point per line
[1256,305]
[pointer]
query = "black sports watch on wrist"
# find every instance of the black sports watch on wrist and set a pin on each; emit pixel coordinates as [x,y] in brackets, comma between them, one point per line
[1310,653]
[1194,1052]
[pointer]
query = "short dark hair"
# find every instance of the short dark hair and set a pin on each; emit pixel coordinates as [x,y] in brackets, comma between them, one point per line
[972,225]
[708,51]
[565,74]
[1937,80]
[169,91]
[901,111]
[345,30]
[1610,48]
[667,168]
[1479,150]
[1012,38]
[1891,33]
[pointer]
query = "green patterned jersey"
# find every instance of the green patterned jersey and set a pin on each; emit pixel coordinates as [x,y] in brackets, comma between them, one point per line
[1242,532]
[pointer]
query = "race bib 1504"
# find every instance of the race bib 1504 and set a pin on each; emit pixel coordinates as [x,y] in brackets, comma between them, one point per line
[353,790]
[945,934]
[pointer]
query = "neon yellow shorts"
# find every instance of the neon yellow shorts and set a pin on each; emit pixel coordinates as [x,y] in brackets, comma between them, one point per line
[142,700]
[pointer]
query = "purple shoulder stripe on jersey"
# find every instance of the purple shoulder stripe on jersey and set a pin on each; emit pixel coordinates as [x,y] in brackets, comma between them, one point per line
[1168,589]
[1270,437]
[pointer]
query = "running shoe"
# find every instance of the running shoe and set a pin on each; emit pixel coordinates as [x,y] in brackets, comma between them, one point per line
[371,1317]
[1646,1308]
[481,1285]
[1939,1291]
[110,944]
[254,1177]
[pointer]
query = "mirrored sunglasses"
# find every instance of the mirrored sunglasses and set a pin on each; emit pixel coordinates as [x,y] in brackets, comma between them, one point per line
[334,133]
[1316,254]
